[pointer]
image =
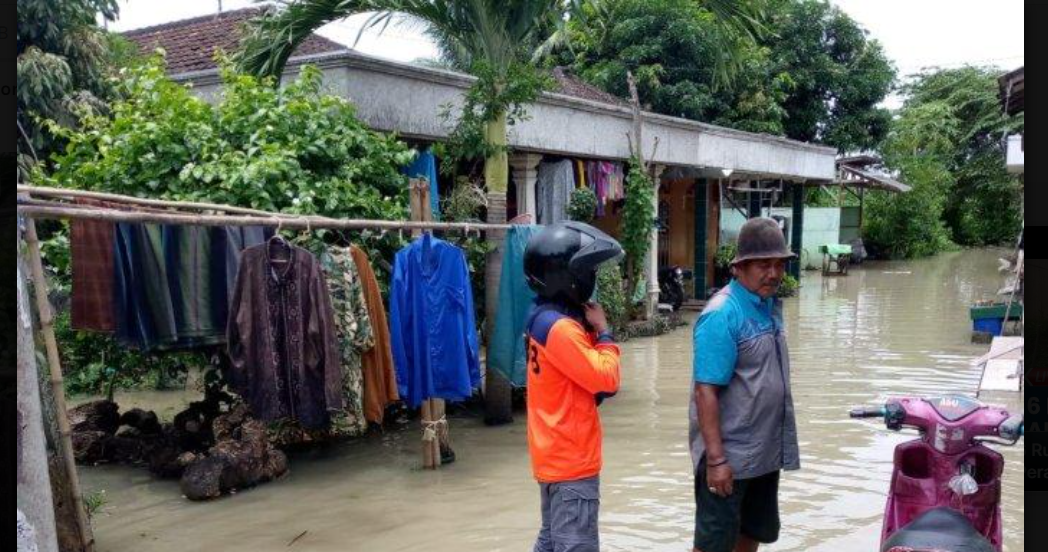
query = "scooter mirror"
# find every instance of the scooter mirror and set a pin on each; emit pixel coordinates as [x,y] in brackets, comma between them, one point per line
[1012,429]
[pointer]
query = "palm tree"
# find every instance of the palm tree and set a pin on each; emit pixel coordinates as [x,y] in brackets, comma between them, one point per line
[496,33]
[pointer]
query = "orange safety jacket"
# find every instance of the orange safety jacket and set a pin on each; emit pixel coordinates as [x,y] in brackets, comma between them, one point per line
[568,368]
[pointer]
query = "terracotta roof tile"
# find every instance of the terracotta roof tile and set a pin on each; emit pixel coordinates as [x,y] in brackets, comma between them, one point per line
[570,85]
[191,44]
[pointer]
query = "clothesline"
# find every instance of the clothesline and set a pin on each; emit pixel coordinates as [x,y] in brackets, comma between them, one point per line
[37,209]
[39,191]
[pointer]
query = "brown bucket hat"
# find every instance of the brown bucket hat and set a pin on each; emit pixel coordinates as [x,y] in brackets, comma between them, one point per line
[761,238]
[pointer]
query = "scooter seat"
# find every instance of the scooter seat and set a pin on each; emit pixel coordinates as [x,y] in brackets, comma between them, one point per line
[941,529]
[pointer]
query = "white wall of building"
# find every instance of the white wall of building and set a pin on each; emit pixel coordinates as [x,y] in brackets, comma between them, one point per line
[822,226]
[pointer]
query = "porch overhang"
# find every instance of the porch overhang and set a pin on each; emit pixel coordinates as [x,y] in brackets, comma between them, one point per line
[408,100]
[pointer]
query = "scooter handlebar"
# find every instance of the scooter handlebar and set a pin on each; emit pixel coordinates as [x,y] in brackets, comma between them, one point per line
[868,412]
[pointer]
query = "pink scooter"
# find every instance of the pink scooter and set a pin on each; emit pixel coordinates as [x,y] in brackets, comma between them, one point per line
[946,487]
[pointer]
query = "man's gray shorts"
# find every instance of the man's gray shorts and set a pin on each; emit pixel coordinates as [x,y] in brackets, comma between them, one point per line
[569,516]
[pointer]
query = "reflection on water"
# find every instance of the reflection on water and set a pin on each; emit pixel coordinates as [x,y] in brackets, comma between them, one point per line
[887,329]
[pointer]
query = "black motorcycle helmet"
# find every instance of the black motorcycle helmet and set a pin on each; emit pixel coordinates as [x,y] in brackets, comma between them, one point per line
[561,261]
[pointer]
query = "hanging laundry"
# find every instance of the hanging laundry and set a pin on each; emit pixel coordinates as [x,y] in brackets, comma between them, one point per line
[170,283]
[425,166]
[283,345]
[617,181]
[355,336]
[605,170]
[91,245]
[435,345]
[506,351]
[597,185]
[553,188]
[145,314]
[227,245]
[380,380]
[580,180]
[189,263]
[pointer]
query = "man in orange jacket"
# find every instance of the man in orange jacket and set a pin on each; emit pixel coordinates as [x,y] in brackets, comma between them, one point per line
[573,365]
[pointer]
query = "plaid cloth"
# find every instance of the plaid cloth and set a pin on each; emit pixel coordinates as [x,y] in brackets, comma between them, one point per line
[92,248]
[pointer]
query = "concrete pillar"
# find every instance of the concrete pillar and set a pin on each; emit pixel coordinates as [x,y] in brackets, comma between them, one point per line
[525,174]
[651,272]
[797,233]
[702,254]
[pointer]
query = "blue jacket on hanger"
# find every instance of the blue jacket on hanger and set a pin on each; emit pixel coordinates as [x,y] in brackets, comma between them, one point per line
[433,328]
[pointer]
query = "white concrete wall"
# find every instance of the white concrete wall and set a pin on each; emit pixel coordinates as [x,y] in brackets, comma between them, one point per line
[407,99]
[1015,155]
[822,226]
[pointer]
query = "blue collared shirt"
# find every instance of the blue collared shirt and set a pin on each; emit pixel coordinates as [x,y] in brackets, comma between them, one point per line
[730,319]
[432,325]
[740,347]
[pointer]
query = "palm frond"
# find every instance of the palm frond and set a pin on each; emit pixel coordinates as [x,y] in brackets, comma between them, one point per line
[270,39]
[498,32]
[745,17]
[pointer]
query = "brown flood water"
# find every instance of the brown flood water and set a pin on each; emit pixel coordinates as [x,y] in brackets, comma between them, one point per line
[888,329]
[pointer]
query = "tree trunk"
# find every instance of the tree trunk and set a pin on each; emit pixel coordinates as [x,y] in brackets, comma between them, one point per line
[498,393]
[34,482]
[496,167]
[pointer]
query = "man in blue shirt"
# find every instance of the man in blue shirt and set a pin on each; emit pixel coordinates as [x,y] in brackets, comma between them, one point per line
[743,429]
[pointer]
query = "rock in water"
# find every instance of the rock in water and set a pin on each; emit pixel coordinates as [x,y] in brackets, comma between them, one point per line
[242,457]
[146,423]
[203,479]
[101,416]
[92,447]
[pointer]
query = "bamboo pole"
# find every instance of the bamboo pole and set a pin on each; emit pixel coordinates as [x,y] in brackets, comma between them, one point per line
[47,329]
[39,191]
[62,212]
[419,206]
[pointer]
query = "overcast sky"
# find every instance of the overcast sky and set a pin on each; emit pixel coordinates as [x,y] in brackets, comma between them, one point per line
[916,33]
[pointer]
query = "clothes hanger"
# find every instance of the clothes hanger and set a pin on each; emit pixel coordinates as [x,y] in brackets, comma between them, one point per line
[280,242]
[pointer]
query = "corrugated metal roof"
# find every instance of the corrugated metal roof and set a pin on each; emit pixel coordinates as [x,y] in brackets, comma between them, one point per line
[862,178]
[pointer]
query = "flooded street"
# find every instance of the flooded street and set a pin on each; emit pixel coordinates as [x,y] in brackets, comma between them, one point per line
[888,329]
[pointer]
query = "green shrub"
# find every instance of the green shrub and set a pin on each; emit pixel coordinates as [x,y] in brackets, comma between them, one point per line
[611,294]
[789,287]
[725,255]
[583,205]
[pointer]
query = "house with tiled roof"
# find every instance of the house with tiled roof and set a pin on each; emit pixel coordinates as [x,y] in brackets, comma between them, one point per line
[701,164]
[191,44]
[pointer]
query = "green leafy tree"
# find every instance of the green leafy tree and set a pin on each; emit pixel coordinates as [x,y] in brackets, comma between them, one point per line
[838,75]
[920,147]
[984,206]
[688,60]
[62,67]
[806,70]
[292,150]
